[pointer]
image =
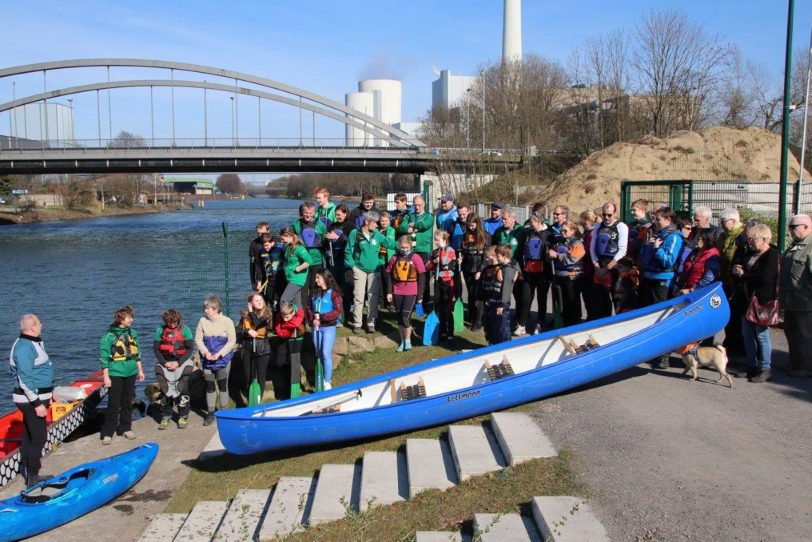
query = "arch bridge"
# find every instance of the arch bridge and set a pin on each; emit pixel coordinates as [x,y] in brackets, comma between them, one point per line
[391,149]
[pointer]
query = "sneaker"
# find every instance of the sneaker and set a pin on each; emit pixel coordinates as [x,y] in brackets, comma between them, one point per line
[327,385]
[476,327]
[370,328]
[164,424]
[107,440]
[183,423]
[407,346]
[400,347]
[763,376]
[129,435]
[356,330]
[209,419]
[520,331]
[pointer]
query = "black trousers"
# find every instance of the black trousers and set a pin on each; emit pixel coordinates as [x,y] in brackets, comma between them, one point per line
[444,305]
[35,434]
[570,300]
[533,284]
[119,405]
[260,366]
[287,368]
[474,314]
[653,291]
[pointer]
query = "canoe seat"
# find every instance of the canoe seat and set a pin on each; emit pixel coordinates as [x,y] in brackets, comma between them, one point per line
[500,370]
[572,347]
[412,392]
[328,409]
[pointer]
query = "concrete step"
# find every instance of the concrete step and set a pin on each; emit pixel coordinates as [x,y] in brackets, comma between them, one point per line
[202,522]
[430,465]
[520,437]
[243,516]
[163,527]
[475,450]
[437,536]
[336,493]
[502,527]
[567,519]
[383,479]
[289,507]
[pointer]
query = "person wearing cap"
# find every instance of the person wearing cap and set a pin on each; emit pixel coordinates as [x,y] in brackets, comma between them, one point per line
[495,221]
[795,291]
[446,214]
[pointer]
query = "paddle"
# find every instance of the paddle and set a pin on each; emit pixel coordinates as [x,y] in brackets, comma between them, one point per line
[431,330]
[254,391]
[459,317]
[319,367]
[295,376]
[558,320]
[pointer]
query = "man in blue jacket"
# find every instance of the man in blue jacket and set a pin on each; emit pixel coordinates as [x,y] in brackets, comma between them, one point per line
[446,214]
[33,376]
[659,259]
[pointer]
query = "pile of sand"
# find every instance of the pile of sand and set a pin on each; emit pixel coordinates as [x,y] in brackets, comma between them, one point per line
[715,154]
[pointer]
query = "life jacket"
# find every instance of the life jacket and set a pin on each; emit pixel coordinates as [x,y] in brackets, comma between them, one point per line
[270,260]
[310,237]
[214,344]
[397,219]
[404,269]
[472,256]
[493,278]
[695,268]
[123,348]
[606,240]
[533,254]
[247,323]
[172,342]
[322,304]
[562,269]
[444,268]
[649,263]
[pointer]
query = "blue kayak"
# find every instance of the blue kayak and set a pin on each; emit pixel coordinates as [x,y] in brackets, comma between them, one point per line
[477,382]
[73,493]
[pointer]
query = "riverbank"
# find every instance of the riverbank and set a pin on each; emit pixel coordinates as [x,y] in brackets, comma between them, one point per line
[57,214]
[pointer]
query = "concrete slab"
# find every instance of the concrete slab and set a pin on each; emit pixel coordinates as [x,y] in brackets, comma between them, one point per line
[202,522]
[430,465]
[214,448]
[163,527]
[501,527]
[289,507]
[437,536]
[520,438]
[475,450]
[567,519]
[383,479]
[243,516]
[133,510]
[334,495]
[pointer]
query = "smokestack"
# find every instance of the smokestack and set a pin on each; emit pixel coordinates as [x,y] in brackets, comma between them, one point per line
[512,32]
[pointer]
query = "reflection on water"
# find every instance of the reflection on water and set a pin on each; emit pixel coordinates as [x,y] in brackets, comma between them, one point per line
[75,274]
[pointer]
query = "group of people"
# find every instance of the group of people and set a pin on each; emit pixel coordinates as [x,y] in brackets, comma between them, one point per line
[332,262]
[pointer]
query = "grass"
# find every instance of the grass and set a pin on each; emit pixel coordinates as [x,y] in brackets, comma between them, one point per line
[505,491]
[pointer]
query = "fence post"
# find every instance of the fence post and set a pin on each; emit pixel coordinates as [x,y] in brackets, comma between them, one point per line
[691,196]
[225,265]
[625,211]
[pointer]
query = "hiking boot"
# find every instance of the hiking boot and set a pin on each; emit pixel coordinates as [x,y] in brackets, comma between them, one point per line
[476,327]
[356,330]
[107,441]
[764,376]
[209,419]
[129,435]
[31,481]
[163,424]
[183,423]
[370,328]
[520,331]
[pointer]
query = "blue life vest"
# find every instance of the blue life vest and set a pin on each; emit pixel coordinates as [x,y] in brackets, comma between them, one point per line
[533,249]
[310,237]
[560,266]
[270,260]
[322,304]
[606,241]
[213,345]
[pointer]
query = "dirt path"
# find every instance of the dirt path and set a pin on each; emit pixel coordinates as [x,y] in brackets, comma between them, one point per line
[670,459]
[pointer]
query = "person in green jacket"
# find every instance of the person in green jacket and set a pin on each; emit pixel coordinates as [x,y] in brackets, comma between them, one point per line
[295,262]
[312,233]
[420,225]
[362,255]
[121,362]
[325,211]
[384,226]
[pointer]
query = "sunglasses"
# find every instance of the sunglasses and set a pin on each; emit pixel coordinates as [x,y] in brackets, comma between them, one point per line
[559,214]
[793,226]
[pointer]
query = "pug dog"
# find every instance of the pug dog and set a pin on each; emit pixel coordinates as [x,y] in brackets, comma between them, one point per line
[707,356]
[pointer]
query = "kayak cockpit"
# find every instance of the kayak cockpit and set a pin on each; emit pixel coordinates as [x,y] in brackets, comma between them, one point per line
[54,488]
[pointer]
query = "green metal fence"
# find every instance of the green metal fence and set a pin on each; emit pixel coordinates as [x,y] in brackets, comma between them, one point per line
[685,195]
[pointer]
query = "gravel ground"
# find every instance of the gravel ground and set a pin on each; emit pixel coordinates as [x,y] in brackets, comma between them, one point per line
[669,459]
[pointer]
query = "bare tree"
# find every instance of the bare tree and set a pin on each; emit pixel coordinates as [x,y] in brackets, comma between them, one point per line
[230,183]
[75,191]
[678,66]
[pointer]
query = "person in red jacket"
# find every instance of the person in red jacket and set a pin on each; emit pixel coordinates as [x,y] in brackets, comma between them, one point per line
[289,327]
[702,266]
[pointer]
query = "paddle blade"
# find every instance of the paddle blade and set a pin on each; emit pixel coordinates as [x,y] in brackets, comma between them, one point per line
[254,393]
[295,390]
[459,317]
[319,376]
[431,330]
[418,310]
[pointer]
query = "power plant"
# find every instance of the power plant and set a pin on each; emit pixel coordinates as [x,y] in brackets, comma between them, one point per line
[512,32]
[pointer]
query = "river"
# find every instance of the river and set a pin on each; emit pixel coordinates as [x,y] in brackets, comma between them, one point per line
[74,275]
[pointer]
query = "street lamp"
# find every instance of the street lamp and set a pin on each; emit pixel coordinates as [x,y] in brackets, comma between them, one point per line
[797,209]
[468,118]
[233,142]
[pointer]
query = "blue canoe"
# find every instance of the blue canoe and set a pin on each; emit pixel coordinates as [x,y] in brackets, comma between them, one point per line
[477,382]
[73,493]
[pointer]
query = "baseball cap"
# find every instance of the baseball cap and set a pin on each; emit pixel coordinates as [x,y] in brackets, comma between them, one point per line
[497,205]
[447,197]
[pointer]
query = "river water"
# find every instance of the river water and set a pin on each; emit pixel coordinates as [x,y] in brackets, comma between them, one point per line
[74,275]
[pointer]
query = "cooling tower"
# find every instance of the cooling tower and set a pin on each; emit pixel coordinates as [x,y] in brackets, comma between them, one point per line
[387,96]
[512,32]
[365,103]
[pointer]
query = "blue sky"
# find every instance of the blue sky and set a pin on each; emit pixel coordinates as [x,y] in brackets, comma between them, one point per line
[326,47]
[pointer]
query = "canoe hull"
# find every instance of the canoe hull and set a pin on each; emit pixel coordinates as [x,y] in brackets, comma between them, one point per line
[701,315]
[110,477]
